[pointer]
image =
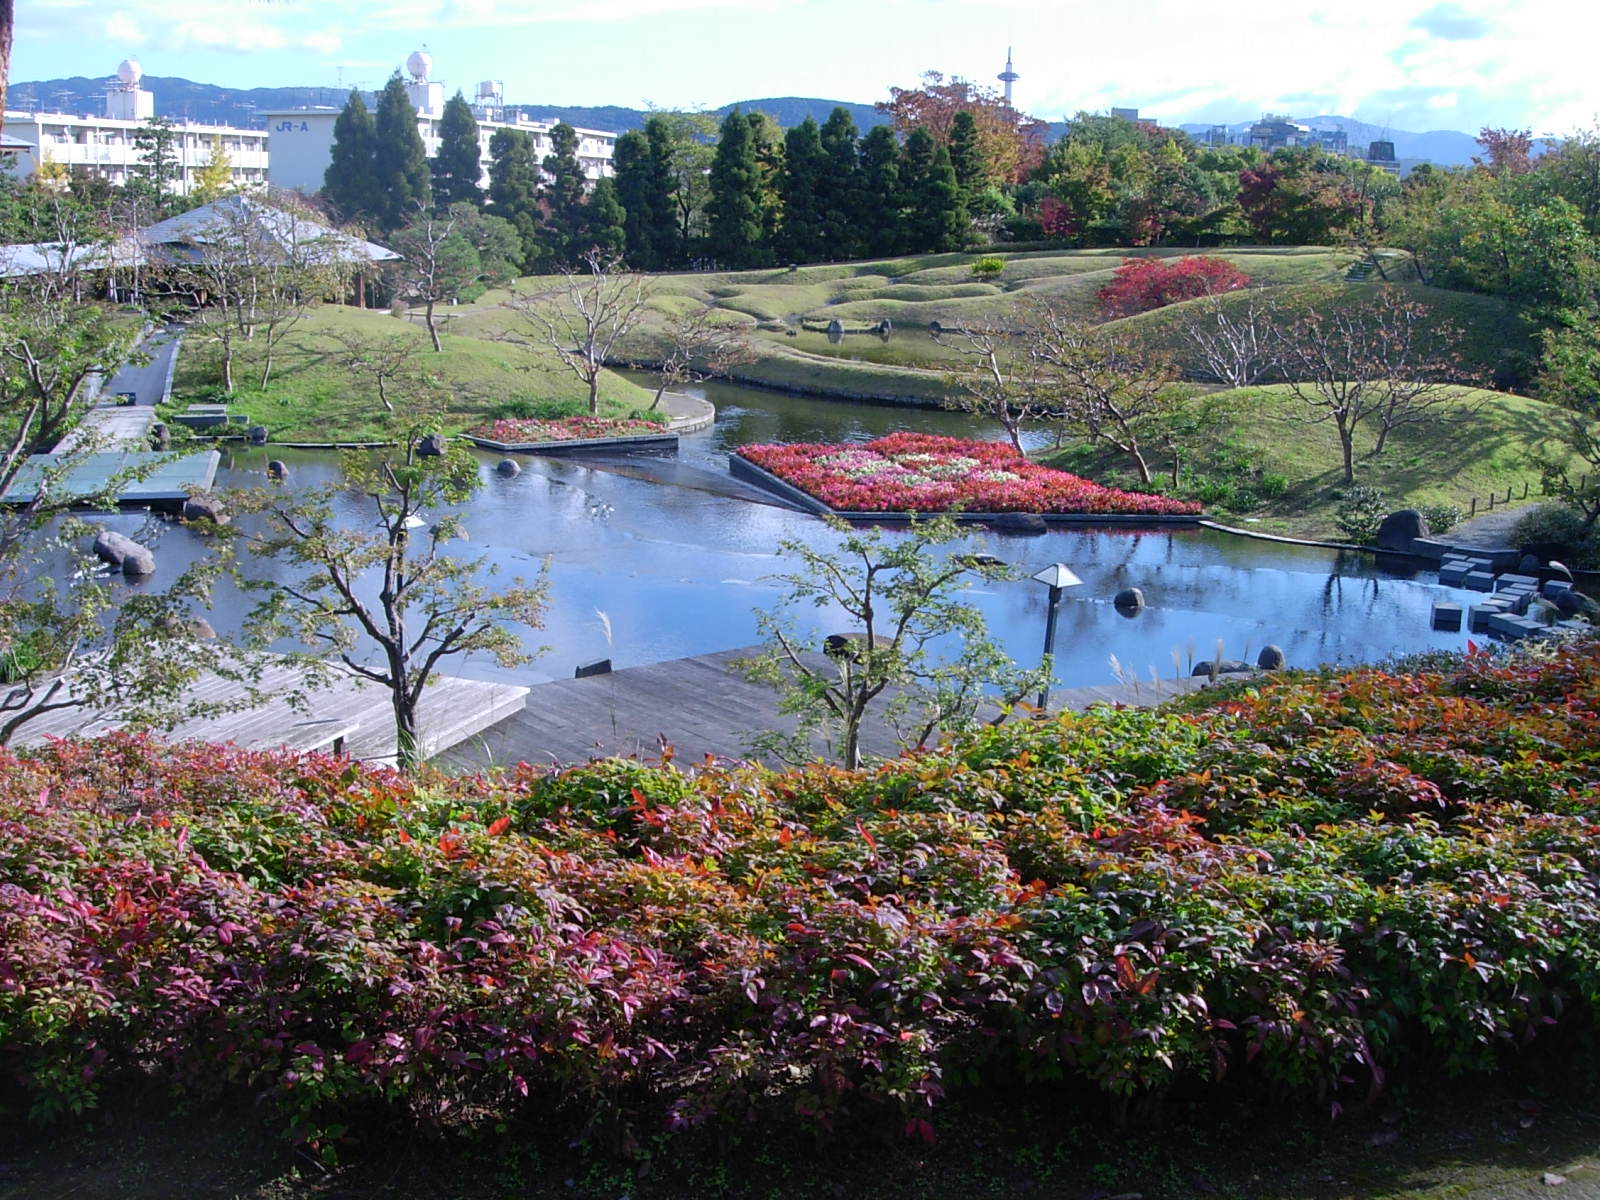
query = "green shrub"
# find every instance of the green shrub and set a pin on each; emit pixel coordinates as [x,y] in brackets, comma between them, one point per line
[526,408]
[1563,526]
[1361,510]
[1440,517]
[988,266]
[1272,485]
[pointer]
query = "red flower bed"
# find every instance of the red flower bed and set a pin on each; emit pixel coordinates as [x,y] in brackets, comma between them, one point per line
[919,472]
[520,430]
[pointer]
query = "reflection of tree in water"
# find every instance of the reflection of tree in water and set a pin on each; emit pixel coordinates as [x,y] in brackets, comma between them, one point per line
[1333,593]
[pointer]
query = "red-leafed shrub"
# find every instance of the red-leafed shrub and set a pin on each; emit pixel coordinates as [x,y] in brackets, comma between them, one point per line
[1141,284]
[1309,885]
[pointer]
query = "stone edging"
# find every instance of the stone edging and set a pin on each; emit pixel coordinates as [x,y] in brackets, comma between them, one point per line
[611,443]
[743,469]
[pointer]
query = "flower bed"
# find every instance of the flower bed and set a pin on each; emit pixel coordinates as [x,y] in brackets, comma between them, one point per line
[917,472]
[512,431]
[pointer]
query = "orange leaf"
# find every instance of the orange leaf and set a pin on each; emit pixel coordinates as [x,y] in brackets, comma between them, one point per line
[785,837]
[496,828]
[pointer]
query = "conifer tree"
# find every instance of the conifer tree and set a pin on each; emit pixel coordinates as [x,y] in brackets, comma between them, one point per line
[935,217]
[966,155]
[604,221]
[458,165]
[801,183]
[400,162]
[660,195]
[349,181]
[838,199]
[878,217]
[735,210]
[563,196]
[644,189]
[513,190]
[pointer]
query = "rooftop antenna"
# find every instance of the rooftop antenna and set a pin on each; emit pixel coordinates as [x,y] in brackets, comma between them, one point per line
[1008,76]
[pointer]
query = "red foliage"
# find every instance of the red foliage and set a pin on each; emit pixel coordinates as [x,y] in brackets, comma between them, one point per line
[1057,220]
[1141,284]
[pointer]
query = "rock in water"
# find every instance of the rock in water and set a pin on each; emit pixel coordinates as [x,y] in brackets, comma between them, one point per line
[204,507]
[121,551]
[277,469]
[431,446]
[1129,598]
[508,468]
[1271,658]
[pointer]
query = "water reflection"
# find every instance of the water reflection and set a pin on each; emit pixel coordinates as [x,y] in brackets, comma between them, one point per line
[679,570]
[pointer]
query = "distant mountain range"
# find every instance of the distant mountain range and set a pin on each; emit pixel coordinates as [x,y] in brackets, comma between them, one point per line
[183,99]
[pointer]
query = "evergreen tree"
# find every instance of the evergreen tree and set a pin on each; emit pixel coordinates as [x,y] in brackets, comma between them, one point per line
[734,234]
[349,180]
[838,198]
[513,190]
[803,168]
[563,196]
[660,199]
[767,135]
[878,217]
[935,218]
[400,162]
[605,221]
[966,155]
[458,165]
[630,164]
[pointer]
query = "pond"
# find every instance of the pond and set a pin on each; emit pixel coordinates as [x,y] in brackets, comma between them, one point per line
[657,558]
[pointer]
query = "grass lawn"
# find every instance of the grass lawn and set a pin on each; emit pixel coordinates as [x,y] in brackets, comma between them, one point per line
[312,396]
[1482,446]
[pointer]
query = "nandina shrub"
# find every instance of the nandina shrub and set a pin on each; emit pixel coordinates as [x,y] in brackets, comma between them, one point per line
[1141,284]
[1310,883]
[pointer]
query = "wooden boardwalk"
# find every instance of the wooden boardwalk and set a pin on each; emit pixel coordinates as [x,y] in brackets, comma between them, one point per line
[351,711]
[698,705]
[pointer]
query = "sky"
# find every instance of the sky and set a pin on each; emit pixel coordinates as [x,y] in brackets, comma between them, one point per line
[1409,64]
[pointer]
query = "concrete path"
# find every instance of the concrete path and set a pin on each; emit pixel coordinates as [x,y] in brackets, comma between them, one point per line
[148,382]
[1489,530]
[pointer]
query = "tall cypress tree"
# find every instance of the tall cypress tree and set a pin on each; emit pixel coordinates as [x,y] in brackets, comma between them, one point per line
[662,211]
[837,190]
[348,182]
[630,165]
[604,220]
[400,162]
[563,195]
[767,135]
[966,155]
[935,217]
[734,210]
[801,183]
[514,189]
[458,165]
[879,216]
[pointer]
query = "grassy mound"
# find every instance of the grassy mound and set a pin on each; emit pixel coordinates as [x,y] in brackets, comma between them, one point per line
[1311,888]
[313,396]
[1266,458]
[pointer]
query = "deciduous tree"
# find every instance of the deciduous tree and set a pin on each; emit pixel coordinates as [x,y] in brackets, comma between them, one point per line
[700,344]
[1142,284]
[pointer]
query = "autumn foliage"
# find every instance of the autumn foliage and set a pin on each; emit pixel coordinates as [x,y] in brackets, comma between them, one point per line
[1141,284]
[1307,887]
[1012,143]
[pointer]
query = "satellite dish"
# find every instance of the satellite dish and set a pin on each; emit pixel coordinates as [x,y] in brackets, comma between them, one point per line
[130,72]
[419,64]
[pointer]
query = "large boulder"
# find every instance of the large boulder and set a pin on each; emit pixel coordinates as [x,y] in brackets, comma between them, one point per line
[1225,666]
[123,552]
[160,436]
[1129,599]
[1400,529]
[277,469]
[257,434]
[431,446]
[1024,523]
[508,468]
[205,507]
[1271,658]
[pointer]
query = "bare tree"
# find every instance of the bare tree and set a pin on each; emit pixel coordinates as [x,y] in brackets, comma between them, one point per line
[434,263]
[388,361]
[1231,335]
[595,307]
[1382,360]
[700,347]
[1001,378]
[1104,388]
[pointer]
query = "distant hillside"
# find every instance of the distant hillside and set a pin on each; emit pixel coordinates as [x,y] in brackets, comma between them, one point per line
[1443,146]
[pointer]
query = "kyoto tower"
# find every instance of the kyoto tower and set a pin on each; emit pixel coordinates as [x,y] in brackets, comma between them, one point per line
[1008,77]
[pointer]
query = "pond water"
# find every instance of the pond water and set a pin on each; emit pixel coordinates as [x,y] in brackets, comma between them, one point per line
[678,568]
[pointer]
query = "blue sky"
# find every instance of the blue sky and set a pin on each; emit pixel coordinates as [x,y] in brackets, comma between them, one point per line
[1411,64]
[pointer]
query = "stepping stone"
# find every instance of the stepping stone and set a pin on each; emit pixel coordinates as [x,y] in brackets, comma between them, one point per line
[1554,587]
[1451,574]
[1478,581]
[1511,581]
[1446,615]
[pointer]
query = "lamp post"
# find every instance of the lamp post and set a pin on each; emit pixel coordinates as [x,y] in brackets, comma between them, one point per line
[1056,577]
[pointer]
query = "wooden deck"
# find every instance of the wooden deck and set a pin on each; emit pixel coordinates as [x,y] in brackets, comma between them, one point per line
[351,710]
[698,705]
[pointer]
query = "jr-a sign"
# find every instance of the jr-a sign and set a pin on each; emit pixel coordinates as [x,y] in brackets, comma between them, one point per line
[292,127]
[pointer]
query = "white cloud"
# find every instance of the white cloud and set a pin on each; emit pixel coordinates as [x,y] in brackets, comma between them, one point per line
[122,28]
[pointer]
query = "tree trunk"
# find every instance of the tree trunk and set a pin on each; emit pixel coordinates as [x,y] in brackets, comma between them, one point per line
[1142,466]
[433,330]
[1347,445]
[660,392]
[266,368]
[407,745]
[227,368]
[594,393]
[7,22]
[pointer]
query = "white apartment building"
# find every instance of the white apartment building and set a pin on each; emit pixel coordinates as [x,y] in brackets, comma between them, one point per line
[104,146]
[301,139]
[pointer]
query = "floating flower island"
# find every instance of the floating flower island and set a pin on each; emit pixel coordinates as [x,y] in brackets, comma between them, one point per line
[924,473]
[525,433]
